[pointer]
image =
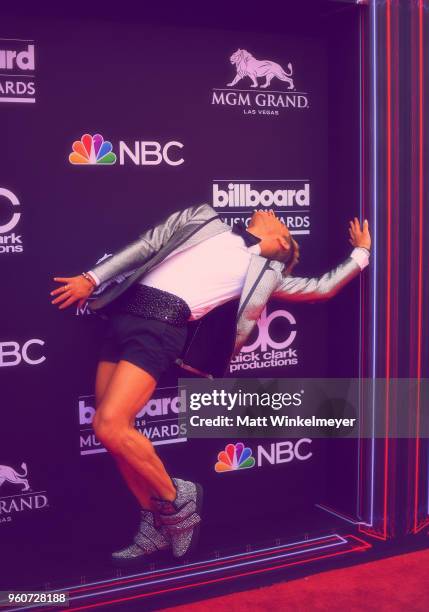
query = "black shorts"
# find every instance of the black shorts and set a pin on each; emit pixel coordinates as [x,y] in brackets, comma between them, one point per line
[148,343]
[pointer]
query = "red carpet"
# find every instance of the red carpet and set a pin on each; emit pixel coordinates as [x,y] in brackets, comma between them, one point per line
[397,583]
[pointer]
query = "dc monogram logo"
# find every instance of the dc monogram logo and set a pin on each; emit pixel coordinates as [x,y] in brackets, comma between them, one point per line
[15,216]
[263,340]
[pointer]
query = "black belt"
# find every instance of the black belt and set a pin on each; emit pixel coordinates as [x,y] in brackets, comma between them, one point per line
[152,303]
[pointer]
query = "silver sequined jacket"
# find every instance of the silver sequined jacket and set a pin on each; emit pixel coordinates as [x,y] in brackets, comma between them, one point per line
[264,279]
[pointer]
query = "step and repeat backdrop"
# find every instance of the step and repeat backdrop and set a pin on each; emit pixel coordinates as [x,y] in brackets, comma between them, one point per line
[107,128]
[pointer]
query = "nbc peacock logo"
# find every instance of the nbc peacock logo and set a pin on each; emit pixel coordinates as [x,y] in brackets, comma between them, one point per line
[234,457]
[92,150]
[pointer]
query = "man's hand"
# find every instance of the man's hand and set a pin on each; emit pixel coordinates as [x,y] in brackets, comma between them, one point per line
[359,237]
[295,258]
[75,288]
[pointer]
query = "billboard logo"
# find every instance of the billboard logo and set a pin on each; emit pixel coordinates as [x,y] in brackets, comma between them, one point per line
[234,457]
[236,200]
[18,59]
[241,195]
[158,420]
[248,66]
[92,150]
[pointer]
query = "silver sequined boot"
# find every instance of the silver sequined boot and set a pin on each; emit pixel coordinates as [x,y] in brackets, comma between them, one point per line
[149,543]
[181,518]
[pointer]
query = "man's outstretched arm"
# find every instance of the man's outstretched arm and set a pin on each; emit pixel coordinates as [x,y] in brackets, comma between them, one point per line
[148,243]
[307,289]
[128,258]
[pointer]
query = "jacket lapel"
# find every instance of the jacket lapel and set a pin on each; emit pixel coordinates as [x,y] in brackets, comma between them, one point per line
[187,236]
[261,279]
[256,268]
[191,235]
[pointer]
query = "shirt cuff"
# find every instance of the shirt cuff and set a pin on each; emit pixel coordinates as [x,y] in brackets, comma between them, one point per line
[255,248]
[94,277]
[361,256]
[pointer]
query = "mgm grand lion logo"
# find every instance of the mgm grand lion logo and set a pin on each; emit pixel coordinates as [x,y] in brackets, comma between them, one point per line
[24,499]
[9,474]
[248,66]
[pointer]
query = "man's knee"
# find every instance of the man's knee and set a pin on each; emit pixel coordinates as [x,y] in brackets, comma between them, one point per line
[109,431]
[117,435]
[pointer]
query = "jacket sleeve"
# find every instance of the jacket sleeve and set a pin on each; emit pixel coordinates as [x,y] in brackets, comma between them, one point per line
[305,289]
[137,252]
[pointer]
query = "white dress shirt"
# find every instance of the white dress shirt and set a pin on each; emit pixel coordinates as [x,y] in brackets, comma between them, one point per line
[205,275]
[211,272]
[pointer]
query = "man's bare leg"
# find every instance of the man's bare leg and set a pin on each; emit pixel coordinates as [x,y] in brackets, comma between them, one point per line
[133,479]
[128,389]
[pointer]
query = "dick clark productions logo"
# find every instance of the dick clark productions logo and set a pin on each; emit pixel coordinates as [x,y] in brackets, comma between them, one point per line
[10,241]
